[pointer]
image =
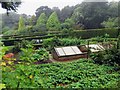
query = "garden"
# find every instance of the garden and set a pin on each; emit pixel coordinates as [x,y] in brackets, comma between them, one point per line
[29,67]
[28,42]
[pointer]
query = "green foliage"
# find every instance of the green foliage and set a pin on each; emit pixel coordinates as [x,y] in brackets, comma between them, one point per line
[41,55]
[21,24]
[42,19]
[30,55]
[85,74]
[118,42]
[32,20]
[78,18]
[3,50]
[5,29]
[110,23]
[110,57]
[26,54]
[70,41]
[10,32]
[94,33]
[67,24]
[51,43]
[53,22]
[23,44]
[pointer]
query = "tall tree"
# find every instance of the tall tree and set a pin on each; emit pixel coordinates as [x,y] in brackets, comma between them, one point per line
[43,9]
[57,10]
[10,20]
[53,22]
[66,12]
[11,5]
[113,9]
[31,20]
[21,25]
[42,19]
[110,23]
[41,23]
[69,23]
[78,18]
[94,14]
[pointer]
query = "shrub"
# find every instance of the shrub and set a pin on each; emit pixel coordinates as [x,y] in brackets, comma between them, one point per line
[110,57]
[41,55]
[51,43]
[30,55]
[70,41]
[23,44]
[94,33]
[26,55]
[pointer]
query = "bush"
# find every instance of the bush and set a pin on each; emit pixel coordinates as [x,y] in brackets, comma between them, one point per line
[70,41]
[41,55]
[23,44]
[51,43]
[94,33]
[10,32]
[109,57]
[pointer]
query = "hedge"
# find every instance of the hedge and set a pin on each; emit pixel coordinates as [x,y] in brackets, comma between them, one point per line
[94,33]
[75,33]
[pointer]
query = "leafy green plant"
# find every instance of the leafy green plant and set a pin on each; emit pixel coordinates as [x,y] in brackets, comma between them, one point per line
[70,41]
[110,57]
[58,75]
[41,54]
[23,44]
[26,55]
[51,43]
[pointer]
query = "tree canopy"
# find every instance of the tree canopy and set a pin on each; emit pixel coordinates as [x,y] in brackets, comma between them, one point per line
[11,5]
[21,24]
[53,22]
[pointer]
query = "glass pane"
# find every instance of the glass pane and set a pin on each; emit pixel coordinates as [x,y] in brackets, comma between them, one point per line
[68,51]
[60,52]
[76,49]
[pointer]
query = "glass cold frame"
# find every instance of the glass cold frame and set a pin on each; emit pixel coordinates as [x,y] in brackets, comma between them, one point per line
[71,50]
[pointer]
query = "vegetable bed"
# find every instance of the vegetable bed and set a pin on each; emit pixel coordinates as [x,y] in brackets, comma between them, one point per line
[77,74]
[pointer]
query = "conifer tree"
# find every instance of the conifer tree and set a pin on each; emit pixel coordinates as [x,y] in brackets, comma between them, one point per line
[53,22]
[42,19]
[21,24]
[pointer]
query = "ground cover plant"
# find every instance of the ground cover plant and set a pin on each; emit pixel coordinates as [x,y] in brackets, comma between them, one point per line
[77,74]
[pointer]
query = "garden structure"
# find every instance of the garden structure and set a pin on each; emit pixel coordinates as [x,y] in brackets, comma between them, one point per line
[95,47]
[69,53]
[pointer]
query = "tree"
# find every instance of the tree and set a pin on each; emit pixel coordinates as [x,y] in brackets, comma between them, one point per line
[21,25]
[66,12]
[78,18]
[53,22]
[11,5]
[91,14]
[31,20]
[113,9]
[41,23]
[42,19]
[69,23]
[57,10]
[43,9]
[110,23]
[10,20]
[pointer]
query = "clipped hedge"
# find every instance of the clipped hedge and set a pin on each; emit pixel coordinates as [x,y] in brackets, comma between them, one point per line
[93,33]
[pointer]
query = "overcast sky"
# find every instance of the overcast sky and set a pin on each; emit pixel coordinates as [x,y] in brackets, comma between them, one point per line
[29,6]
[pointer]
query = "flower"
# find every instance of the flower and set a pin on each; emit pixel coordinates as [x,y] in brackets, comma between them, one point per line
[3,64]
[7,56]
[31,76]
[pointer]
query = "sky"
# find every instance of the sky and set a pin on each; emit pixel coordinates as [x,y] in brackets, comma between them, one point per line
[29,6]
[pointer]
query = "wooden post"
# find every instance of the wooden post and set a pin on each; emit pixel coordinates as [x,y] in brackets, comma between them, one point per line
[118,41]
[88,42]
